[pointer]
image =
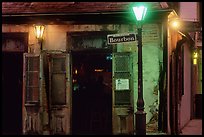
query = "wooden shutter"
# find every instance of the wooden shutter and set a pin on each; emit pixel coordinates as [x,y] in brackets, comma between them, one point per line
[32,79]
[122,79]
[122,94]
[31,88]
[59,92]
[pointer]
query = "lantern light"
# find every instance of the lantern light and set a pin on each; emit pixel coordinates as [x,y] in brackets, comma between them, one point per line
[140,12]
[175,23]
[39,30]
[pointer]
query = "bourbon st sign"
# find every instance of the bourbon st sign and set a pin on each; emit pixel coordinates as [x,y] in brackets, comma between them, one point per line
[120,38]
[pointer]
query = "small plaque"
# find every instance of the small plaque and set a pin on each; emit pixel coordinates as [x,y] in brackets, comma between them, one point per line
[122,84]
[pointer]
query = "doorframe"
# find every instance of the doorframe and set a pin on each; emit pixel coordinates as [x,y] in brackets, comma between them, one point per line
[70,49]
[22,37]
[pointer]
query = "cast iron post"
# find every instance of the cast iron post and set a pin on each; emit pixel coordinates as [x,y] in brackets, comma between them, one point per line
[140,116]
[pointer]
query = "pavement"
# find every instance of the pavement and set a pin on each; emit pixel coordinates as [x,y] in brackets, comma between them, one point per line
[156,133]
[194,127]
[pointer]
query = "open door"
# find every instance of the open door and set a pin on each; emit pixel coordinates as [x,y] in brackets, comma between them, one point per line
[91,92]
[122,94]
[11,101]
[59,93]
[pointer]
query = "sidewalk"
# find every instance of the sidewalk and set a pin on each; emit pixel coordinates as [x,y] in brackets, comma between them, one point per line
[194,127]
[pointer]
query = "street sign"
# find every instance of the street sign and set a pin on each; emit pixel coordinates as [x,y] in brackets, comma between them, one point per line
[120,38]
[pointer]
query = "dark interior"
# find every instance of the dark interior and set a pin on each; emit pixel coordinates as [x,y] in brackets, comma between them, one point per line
[12,69]
[91,93]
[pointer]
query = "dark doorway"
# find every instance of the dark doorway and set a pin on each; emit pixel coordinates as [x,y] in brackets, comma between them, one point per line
[91,92]
[12,65]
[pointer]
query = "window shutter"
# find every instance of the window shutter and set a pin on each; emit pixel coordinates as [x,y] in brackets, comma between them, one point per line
[58,79]
[122,94]
[59,93]
[31,92]
[32,78]
[122,79]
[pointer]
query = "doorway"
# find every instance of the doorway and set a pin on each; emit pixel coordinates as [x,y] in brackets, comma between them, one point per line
[12,65]
[91,92]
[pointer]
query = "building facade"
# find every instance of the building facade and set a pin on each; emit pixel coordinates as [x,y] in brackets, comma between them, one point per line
[57,89]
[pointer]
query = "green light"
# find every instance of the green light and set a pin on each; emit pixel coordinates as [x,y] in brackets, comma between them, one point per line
[140,12]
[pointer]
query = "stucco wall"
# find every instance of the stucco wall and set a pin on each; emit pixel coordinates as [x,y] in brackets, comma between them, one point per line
[152,57]
[185,110]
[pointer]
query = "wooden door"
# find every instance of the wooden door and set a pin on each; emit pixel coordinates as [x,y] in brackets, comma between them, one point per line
[122,94]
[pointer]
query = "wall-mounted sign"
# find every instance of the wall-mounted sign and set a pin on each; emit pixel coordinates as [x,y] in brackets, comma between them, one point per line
[122,84]
[120,38]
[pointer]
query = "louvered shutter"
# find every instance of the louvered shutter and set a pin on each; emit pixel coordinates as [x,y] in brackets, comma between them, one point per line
[32,78]
[31,91]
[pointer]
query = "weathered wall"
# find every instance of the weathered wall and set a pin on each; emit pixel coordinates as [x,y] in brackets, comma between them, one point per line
[55,39]
[185,112]
[152,57]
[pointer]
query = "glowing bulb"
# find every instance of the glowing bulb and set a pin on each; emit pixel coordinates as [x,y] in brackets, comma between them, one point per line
[76,71]
[175,24]
[195,55]
[194,61]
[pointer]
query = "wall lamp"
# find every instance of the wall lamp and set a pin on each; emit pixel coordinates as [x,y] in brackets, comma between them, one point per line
[39,30]
[175,23]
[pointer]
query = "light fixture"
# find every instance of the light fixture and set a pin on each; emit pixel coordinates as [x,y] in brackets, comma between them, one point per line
[175,23]
[39,30]
[98,70]
[195,57]
[140,12]
[76,72]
